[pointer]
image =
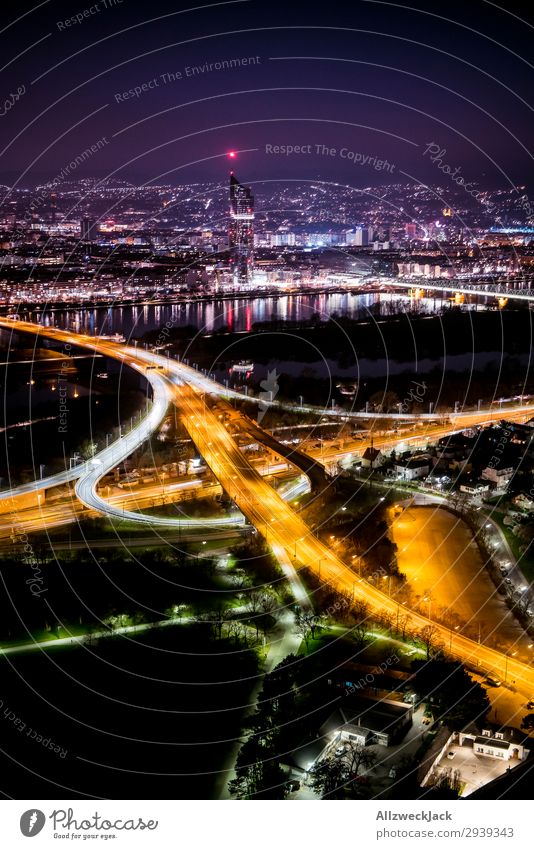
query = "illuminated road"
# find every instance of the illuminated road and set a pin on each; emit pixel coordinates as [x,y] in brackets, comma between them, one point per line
[138,359]
[418,438]
[67,510]
[489,290]
[441,561]
[286,533]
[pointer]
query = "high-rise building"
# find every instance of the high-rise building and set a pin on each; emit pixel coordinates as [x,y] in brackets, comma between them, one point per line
[361,236]
[241,231]
[88,229]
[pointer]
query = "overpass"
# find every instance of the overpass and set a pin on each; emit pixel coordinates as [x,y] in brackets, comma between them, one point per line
[483,290]
[291,540]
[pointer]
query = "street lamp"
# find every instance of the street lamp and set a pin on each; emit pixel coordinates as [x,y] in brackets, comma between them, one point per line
[506,656]
[354,557]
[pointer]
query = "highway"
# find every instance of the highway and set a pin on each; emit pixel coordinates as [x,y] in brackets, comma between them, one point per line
[138,359]
[490,290]
[67,509]
[287,534]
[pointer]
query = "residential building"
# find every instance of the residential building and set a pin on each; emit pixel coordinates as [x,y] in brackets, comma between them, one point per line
[412,468]
[474,487]
[371,458]
[500,477]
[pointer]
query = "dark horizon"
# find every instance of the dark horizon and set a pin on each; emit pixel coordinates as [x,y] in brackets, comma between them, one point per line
[379,82]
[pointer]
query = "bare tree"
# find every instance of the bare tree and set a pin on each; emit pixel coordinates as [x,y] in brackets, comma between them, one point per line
[404,624]
[429,637]
[358,758]
[335,777]
[308,623]
[359,634]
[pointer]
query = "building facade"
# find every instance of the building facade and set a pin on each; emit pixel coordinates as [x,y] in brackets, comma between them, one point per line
[241,232]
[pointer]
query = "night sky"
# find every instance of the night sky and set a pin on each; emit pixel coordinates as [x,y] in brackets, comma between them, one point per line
[379,79]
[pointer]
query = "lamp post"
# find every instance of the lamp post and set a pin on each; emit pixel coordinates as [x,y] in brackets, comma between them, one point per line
[506,656]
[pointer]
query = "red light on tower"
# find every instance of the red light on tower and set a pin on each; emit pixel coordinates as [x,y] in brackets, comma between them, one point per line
[232,154]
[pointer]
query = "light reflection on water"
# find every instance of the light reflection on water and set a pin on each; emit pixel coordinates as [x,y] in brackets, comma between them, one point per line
[237,314]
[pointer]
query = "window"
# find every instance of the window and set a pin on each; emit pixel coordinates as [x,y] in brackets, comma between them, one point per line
[499,736]
[486,734]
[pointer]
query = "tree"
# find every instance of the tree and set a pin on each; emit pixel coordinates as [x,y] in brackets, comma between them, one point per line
[448,784]
[337,777]
[404,624]
[428,636]
[307,624]
[528,722]
[358,758]
[257,774]
[453,695]
[330,778]
[359,634]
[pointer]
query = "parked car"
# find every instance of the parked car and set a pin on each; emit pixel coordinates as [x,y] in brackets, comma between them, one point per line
[492,681]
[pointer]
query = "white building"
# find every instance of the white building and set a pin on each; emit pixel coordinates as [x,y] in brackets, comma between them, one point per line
[500,477]
[502,744]
[412,468]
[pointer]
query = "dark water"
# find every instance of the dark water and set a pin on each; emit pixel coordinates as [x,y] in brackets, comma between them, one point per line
[237,314]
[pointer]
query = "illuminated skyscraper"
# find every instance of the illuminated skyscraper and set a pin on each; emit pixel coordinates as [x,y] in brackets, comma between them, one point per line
[241,231]
[88,230]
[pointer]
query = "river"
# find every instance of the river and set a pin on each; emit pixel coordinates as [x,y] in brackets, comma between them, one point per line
[238,314]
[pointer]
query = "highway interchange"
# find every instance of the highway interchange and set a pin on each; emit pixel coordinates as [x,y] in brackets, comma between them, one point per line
[292,541]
